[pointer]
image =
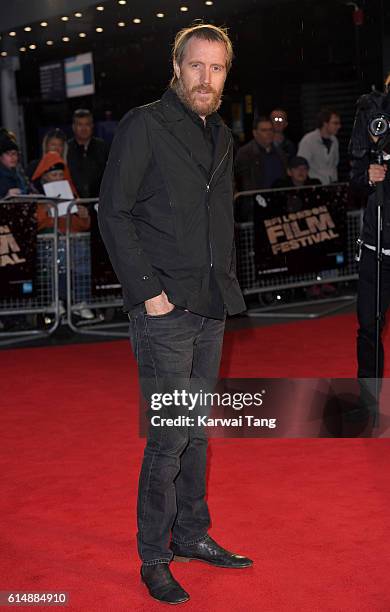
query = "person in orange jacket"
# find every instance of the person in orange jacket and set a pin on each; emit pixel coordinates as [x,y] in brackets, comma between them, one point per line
[53,168]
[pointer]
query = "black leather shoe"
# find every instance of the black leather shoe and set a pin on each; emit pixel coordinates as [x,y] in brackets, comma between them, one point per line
[209,552]
[162,585]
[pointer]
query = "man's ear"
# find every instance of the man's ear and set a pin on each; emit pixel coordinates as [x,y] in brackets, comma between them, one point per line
[176,69]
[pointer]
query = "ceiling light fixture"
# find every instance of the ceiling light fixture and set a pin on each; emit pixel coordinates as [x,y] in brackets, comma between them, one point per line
[209,2]
[82,34]
[78,14]
[32,46]
[43,24]
[65,18]
[160,15]
[121,1]
[12,33]
[184,9]
[99,29]
[27,29]
[100,8]
[121,24]
[136,20]
[65,39]
[22,49]
[49,43]
[4,54]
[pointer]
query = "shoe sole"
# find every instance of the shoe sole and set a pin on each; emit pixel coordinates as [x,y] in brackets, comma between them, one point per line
[188,559]
[170,603]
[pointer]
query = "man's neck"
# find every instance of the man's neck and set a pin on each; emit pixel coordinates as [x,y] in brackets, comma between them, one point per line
[266,148]
[324,132]
[279,137]
[83,143]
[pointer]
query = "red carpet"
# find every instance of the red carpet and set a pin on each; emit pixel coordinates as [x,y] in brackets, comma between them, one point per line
[312,513]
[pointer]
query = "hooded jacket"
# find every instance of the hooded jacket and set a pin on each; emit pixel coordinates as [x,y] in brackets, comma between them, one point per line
[45,221]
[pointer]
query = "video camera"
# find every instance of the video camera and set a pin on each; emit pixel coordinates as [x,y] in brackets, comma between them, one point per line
[371,128]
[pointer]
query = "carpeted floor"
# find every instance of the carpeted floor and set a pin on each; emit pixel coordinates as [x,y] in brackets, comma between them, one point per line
[312,513]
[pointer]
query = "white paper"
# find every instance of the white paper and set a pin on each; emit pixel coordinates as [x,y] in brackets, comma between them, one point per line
[60,189]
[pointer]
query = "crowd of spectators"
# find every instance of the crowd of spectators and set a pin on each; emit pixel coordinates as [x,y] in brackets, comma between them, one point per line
[79,162]
[269,160]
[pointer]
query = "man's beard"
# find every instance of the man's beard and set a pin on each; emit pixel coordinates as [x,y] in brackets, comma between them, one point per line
[188,97]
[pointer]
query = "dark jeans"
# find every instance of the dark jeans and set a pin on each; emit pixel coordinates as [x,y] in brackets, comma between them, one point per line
[173,351]
[367,319]
[366,311]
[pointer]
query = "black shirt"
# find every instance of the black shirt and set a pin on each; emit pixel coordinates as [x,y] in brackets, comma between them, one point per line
[202,137]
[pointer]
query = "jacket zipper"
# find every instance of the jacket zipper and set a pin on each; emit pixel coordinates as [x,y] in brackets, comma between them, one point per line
[208,200]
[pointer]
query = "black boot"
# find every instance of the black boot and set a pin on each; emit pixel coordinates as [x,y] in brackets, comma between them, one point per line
[162,585]
[210,552]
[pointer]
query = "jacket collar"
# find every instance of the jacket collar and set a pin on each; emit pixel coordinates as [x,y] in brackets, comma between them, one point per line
[174,110]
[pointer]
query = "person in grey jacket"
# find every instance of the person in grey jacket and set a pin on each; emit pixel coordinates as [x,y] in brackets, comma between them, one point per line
[321,148]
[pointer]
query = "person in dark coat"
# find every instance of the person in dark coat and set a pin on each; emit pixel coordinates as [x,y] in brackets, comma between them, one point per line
[87,155]
[12,179]
[297,175]
[259,163]
[166,217]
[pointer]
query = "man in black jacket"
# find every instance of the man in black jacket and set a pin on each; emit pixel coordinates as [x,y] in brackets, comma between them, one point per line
[259,163]
[166,216]
[87,155]
[368,174]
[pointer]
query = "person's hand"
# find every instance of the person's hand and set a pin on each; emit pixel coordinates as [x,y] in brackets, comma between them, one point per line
[15,191]
[82,211]
[376,173]
[158,305]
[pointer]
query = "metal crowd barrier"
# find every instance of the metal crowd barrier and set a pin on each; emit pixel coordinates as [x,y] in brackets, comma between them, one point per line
[29,312]
[251,284]
[79,285]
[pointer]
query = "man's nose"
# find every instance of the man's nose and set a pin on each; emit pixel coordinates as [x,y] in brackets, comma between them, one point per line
[206,75]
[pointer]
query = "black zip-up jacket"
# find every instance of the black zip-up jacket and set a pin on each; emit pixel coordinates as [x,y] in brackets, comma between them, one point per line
[359,176]
[167,222]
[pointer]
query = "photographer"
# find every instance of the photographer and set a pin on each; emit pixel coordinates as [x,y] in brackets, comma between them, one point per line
[367,174]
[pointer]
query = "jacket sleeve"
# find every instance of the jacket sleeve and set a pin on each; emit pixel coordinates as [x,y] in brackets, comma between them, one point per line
[127,163]
[241,170]
[305,149]
[337,161]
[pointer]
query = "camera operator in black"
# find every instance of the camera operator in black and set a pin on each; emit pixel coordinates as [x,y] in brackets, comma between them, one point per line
[367,174]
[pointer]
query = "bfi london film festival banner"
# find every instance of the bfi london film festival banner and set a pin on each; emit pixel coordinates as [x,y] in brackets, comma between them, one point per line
[300,230]
[18,250]
[104,279]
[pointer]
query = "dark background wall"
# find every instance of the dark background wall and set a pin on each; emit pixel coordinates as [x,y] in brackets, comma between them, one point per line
[300,55]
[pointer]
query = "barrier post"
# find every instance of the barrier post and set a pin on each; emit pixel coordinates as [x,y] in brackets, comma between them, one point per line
[96,327]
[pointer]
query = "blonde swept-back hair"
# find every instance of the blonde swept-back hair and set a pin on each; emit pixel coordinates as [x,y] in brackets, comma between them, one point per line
[203,31]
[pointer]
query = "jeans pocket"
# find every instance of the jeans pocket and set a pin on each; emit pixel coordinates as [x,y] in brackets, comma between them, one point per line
[166,315]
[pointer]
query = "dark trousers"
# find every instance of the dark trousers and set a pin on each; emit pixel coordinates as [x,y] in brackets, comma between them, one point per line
[173,351]
[366,312]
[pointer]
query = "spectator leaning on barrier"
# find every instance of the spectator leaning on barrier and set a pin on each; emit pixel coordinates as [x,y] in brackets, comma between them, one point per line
[87,155]
[12,179]
[280,123]
[53,168]
[298,174]
[321,147]
[54,140]
[259,163]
